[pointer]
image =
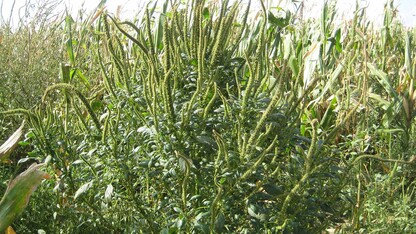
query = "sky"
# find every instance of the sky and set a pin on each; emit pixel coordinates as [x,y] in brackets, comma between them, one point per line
[406,8]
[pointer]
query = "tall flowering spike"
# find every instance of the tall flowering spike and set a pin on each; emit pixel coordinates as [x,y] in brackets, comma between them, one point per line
[18,193]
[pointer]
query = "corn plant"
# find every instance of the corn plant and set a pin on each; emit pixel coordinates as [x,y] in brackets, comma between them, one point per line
[19,190]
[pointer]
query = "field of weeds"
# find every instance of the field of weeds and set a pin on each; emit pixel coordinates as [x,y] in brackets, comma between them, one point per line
[207,117]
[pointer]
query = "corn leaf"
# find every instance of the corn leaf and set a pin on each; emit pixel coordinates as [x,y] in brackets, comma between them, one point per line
[408,54]
[18,193]
[10,230]
[7,148]
[383,79]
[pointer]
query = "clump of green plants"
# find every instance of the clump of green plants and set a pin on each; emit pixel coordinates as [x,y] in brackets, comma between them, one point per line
[19,190]
[30,56]
[197,118]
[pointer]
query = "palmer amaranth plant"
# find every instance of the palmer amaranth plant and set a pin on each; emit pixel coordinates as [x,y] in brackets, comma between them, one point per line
[201,117]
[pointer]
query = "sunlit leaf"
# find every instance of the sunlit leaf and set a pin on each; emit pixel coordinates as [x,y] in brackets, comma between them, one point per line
[18,194]
[254,211]
[383,80]
[84,188]
[108,192]
[7,147]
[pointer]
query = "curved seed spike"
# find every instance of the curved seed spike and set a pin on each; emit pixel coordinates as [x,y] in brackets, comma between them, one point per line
[142,47]
[78,93]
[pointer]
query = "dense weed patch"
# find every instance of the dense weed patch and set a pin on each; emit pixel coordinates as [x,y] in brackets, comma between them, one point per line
[196,118]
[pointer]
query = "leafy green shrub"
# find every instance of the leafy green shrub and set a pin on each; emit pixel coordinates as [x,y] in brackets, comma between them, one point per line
[190,134]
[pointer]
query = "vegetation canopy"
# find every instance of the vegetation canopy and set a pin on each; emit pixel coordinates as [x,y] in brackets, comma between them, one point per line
[208,117]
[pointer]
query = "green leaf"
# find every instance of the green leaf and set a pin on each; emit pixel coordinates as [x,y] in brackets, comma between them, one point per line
[287,45]
[171,230]
[18,194]
[65,73]
[203,228]
[382,102]
[69,46]
[329,84]
[96,105]
[108,192]
[294,66]
[338,45]
[83,78]
[390,130]
[383,80]
[205,13]
[278,21]
[180,222]
[408,54]
[201,216]
[84,188]
[254,211]
[273,189]
[219,223]
[177,209]
[206,141]
[24,143]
